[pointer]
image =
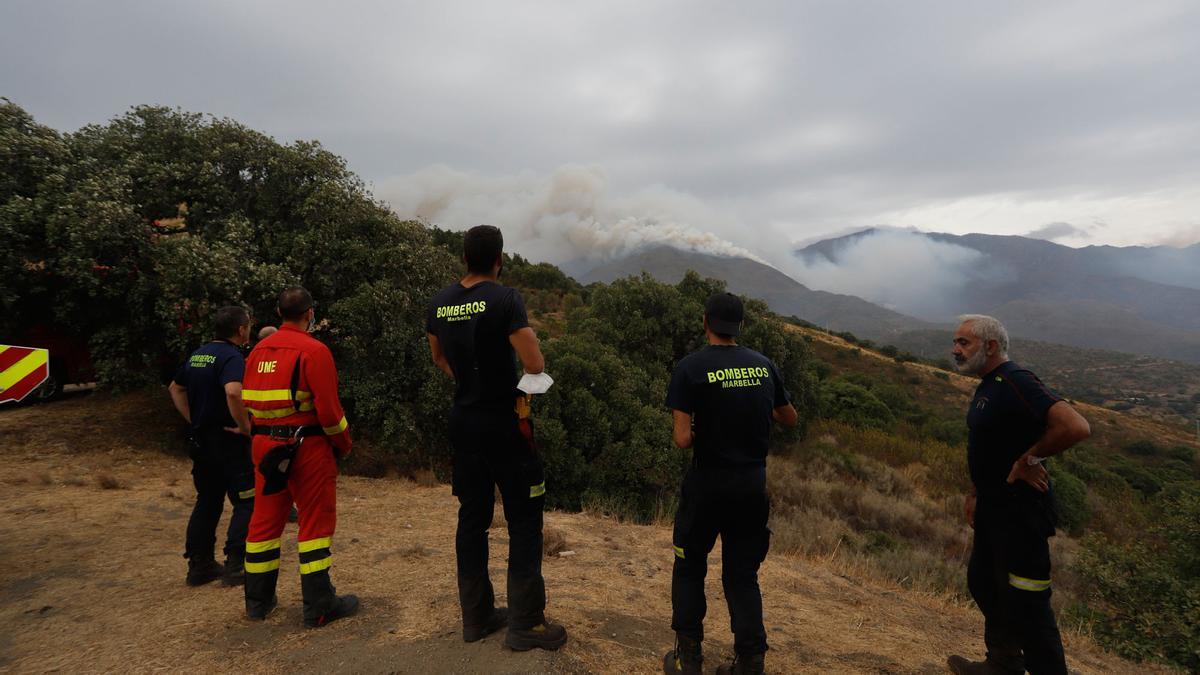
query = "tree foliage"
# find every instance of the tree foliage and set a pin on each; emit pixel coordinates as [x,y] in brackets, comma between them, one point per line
[247,216]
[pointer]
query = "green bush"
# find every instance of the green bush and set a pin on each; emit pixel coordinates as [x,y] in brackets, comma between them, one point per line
[1142,597]
[1070,499]
[855,405]
[1143,448]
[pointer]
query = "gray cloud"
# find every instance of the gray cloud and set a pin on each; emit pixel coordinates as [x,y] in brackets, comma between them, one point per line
[764,125]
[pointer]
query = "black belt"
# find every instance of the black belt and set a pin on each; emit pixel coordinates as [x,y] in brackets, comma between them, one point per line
[284,432]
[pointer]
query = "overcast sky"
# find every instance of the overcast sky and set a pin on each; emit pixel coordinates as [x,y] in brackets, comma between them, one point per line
[758,124]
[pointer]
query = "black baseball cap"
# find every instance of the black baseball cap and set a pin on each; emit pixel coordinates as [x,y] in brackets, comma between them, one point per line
[725,313]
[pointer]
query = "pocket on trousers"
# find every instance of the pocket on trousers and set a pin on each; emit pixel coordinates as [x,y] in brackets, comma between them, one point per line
[533,474]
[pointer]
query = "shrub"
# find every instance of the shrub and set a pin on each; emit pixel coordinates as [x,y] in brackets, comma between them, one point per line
[854,405]
[1070,498]
[1143,597]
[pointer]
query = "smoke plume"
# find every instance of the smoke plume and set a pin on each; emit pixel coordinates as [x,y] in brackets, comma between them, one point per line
[565,217]
[902,270]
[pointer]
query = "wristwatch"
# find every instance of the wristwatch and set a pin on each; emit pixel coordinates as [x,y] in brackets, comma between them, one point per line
[1033,460]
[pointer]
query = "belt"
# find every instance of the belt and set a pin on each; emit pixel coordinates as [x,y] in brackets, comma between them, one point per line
[286,432]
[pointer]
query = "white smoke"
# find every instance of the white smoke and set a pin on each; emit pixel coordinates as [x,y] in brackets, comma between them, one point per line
[566,216]
[902,270]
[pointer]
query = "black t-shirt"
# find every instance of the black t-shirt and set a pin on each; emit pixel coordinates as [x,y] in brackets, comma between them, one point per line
[473,325]
[205,375]
[730,391]
[1007,416]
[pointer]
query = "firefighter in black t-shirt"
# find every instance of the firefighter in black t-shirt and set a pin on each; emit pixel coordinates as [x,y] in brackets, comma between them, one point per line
[724,398]
[1014,423]
[207,392]
[474,327]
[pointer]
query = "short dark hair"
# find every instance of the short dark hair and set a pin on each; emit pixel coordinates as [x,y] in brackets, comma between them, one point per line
[293,302]
[481,246]
[228,320]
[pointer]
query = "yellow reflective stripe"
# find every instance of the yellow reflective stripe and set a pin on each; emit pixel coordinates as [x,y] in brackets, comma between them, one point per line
[316,565]
[269,395]
[337,428]
[266,395]
[314,544]
[279,412]
[679,552]
[261,546]
[1028,584]
[537,490]
[246,494]
[271,414]
[19,370]
[260,567]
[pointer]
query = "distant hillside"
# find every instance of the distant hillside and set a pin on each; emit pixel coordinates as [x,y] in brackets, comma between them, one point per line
[783,294]
[1135,299]
[1144,385]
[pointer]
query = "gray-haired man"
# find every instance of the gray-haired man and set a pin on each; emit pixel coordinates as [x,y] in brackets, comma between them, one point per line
[1014,423]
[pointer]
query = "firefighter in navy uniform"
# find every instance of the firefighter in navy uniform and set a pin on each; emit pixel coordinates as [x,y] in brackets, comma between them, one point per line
[207,391]
[724,399]
[1014,423]
[474,327]
[291,391]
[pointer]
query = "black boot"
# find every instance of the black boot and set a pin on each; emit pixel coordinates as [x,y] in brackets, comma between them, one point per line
[343,606]
[498,620]
[742,665]
[321,603]
[545,635]
[261,610]
[203,570]
[235,571]
[687,657]
[260,594]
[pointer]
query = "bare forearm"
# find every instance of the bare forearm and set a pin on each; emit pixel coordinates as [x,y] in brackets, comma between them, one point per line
[444,366]
[237,409]
[179,398]
[1064,429]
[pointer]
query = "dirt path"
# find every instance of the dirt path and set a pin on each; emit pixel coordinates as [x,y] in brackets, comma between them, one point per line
[92,580]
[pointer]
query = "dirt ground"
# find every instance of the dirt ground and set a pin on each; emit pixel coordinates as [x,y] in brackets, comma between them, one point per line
[97,496]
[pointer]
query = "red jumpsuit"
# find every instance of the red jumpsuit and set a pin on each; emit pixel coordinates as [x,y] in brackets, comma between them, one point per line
[291,381]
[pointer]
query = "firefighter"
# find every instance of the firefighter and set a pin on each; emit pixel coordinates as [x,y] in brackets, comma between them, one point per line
[474,326]
[1014,423]
[207,392]
[723,399]
[291,391]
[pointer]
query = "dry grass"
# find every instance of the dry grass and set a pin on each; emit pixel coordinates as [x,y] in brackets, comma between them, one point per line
[424,478]
[829,613]
[108,481]
[553,541]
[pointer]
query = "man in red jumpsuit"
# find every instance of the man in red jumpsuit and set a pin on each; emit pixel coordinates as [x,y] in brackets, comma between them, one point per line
[291,391]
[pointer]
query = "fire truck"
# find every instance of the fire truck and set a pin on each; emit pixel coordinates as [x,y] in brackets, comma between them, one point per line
[37,365]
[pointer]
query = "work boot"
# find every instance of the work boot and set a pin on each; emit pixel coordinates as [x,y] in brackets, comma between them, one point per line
[234,573]
[260,611]
[742,665]
[961,666]
[203,571]
[498,620]
[343,606]
[686,658]
[545,635]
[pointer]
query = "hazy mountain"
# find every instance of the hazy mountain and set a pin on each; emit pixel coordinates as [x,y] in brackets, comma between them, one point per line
[782,293]
[1143,300]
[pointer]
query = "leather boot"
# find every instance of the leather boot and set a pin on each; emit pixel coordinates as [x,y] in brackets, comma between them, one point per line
[687,657]
[751,664]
